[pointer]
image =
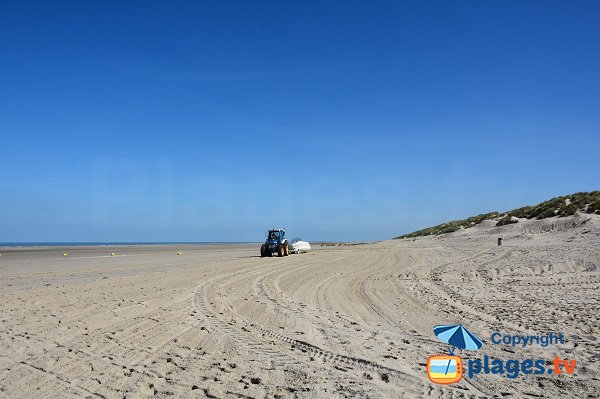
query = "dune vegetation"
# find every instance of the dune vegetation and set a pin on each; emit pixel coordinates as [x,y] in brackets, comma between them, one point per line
[567,205]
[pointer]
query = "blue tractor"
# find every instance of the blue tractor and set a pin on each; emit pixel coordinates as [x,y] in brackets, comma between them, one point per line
[275,243]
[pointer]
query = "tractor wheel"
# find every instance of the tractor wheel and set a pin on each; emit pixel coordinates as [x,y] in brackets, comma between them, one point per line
[281,251]
[262,251]
[287,250]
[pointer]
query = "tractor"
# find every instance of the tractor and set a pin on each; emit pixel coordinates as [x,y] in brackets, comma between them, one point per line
[275,243]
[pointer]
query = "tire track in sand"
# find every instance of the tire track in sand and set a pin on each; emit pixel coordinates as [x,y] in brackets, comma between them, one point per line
[341,363]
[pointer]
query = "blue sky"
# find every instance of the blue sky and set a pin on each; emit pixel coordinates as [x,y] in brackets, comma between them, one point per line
[211,121]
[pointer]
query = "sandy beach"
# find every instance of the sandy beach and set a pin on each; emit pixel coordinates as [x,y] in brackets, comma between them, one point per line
[218,321]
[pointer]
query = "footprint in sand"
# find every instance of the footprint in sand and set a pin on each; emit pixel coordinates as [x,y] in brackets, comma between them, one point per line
[147,389]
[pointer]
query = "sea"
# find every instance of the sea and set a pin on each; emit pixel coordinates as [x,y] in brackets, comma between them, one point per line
[113,243]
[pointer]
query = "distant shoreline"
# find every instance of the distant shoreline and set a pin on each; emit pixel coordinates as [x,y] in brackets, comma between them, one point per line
[138,244]
[111,244]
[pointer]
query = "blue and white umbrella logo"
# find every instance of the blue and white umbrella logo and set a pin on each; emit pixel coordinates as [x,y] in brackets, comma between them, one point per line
[458,337]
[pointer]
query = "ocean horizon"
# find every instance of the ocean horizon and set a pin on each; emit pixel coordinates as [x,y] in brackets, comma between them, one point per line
[109,243]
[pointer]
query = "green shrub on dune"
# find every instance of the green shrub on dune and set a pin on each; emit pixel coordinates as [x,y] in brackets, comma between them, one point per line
[568,205]
[506,220]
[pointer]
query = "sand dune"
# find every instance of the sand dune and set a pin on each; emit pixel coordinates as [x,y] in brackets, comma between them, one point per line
[344,321]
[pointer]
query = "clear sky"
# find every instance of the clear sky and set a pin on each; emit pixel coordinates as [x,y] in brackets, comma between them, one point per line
[211,121]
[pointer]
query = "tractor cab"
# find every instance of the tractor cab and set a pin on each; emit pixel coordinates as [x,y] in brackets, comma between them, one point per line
[275,235]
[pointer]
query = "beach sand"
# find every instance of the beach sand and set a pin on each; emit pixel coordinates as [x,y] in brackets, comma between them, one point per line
[337,322]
